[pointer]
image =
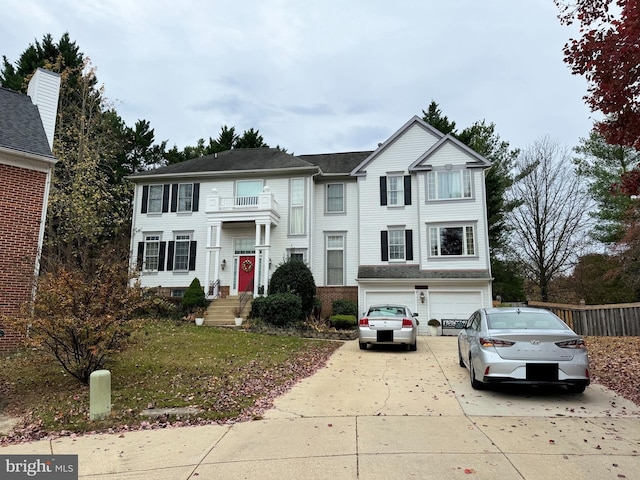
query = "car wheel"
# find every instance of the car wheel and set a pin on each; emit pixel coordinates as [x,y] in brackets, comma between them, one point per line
[413,346]
[475,384]
[576,388]
[460,360]
[363,346]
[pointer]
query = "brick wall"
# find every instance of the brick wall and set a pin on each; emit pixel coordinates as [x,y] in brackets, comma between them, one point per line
[327,295]
[20,216]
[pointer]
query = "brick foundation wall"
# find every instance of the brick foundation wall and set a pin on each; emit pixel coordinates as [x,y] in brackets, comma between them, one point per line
[327,295]
[20,216]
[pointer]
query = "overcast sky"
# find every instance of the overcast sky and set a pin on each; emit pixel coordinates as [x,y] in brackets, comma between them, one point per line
[318,76]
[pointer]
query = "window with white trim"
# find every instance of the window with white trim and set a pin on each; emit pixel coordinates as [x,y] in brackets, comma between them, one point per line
[185,197]
[154,202]
[448,184]
[395,190]
[296,206]
[181,252]
[335,259]
[335,198]
[452,241]
[396,244]
[151,253]
[247,192]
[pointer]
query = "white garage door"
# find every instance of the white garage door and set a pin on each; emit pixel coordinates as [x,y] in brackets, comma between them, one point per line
[453,306]
[407,298]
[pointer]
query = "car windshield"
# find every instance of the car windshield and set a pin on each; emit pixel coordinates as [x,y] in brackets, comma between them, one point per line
[386,311]
[524,320]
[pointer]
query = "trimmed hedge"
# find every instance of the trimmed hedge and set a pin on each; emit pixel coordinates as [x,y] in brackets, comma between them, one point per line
[278,309]
[343,322]
[193,296]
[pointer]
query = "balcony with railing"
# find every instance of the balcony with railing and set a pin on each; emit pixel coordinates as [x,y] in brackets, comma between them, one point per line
[242,208]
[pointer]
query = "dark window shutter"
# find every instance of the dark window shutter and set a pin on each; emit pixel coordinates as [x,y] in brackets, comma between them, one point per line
[192,255]
[407,189]
[145,199]
[165,198]
[196,196]
[384,245]
[170,255]
[140,258]
[383,191]
[408,240]
[161,256]
[174,197]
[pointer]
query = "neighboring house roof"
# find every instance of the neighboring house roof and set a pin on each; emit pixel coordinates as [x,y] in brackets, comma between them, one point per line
[236,160]
[20,125]
[413,271]
[336,163]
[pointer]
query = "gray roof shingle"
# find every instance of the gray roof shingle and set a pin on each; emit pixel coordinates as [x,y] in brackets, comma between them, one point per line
[20,124]
[336,163]
[413,271]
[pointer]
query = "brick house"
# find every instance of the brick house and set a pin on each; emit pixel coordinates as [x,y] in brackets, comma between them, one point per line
[27,124]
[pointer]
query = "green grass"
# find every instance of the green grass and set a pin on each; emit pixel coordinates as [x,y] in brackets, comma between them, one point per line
[167,364]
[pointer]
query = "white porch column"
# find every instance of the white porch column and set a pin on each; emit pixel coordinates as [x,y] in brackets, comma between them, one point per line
[256,267]
[207,263]
[216,258]
[266,253]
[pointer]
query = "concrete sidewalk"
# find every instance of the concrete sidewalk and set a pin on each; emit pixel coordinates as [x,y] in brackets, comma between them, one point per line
[381,414]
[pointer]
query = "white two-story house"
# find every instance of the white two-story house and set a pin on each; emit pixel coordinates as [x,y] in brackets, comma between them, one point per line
[404,223]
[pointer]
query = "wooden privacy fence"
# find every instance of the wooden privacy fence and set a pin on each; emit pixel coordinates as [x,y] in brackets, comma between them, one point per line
[614,320]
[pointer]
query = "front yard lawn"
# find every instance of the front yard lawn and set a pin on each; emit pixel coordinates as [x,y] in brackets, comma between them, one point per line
[227,374]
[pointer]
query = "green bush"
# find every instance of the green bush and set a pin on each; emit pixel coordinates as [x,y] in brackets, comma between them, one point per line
[343,322]
[293,276]
[193,296]
[279,309]
[344,307]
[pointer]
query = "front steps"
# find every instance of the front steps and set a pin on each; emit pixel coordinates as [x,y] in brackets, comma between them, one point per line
[220,312]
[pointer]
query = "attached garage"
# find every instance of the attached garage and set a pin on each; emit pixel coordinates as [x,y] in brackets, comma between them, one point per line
[453,306]
[404,297]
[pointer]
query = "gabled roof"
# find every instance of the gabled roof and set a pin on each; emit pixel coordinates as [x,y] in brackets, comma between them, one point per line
[20,125]
[237,160]
[477,160]
[415,120]
[336,163]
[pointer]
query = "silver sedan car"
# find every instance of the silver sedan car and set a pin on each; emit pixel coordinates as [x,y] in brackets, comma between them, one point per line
[388,324]
[522,345]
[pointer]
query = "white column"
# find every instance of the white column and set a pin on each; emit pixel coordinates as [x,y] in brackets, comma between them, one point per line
[256,282]
[207,263]
[216,258]
[266,253]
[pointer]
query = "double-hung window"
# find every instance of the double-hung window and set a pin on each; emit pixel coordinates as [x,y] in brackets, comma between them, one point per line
[395,190]
[396,244]
[154,203]
[151,253]
[296,206]
[335,198]
[181,253]
[451,241]
[185,197]
[335,258]
[448,184]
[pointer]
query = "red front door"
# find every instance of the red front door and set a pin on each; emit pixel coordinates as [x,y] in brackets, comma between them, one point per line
[246,273]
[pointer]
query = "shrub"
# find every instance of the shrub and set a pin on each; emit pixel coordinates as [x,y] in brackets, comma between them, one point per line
[293,276]
[343,322]
[279,309]
[193,296]
[82,316]
[344,307]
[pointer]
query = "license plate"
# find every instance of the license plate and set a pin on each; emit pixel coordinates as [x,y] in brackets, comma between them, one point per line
[542,372]
[385,335]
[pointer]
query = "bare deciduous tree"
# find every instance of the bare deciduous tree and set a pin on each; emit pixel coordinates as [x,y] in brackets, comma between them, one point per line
[550,226]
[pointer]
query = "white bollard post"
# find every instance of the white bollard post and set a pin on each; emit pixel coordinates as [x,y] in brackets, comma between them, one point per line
[99,394]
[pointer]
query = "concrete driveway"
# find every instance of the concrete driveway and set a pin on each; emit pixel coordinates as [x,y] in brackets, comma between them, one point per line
[380,414]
